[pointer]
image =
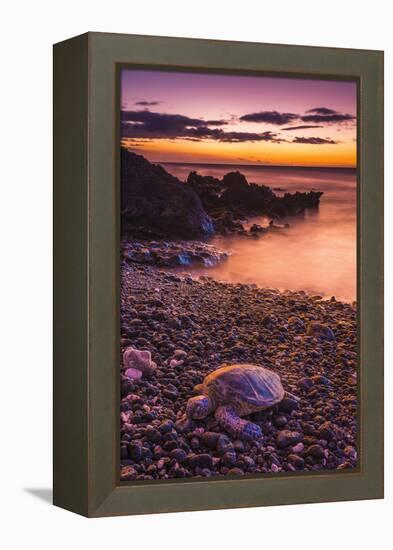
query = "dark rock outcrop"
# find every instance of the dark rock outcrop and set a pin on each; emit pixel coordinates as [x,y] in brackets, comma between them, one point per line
[155,203]
[233,198]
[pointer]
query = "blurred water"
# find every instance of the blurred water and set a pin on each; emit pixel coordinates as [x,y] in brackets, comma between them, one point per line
[316,254]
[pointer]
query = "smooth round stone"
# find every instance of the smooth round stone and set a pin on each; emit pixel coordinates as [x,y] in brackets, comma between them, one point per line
[228,459]
[287,405]
[235,472]
[288,437]
[203,460]
[224,444]
[179,455]
[299,448]
[296,461]
[209,439]
[280,421]
[133,374]
[316,451]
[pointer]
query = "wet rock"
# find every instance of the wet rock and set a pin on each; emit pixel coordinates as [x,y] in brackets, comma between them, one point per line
[209,439]
[153,199]
[285,438]
[235,472]
[222,323]
[128,473]
[179,455]
[228,459]
[296,460]
[166,426]
[298,448]
[320,330]
[203,460]
[316,451]
[305,383]
[153,434]
[184,424]
[319,379]
[326,431]
[238,446]
[135,451]
[288,404]
[224,444]
[280,421]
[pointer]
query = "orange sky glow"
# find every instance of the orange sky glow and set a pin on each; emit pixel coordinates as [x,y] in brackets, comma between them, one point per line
[227,119]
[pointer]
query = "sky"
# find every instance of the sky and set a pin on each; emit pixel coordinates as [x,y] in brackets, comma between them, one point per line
[172,116]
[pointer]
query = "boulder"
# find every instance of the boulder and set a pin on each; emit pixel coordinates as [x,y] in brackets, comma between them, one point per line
[154,202]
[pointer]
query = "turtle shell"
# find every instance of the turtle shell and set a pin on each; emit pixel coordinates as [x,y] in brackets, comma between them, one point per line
[247,388]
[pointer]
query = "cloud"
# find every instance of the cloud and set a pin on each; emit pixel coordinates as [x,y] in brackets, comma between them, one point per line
[147,103]
[145,125]
[270,117]
[160,125]
[237,137]
[326,116]
[151,125]
[318,115]
[322,111]
[302,127]
[216,122]
[314,140]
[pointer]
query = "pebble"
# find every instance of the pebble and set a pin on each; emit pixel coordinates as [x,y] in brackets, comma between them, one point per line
[287,405]
[203,460]
[299,448]
[224,444]
[296,461]
[228,459]
[316,451]
[209,439]
[285,438]
[179,455]
[206,323]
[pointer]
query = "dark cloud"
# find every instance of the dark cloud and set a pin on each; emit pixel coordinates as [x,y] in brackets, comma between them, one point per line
[322,111]
[236,137]
[147,103]
[314,140]
[154,123]
[318,115]
[216,122]
[270,117]
[326,116]
[150,125]
[302,127]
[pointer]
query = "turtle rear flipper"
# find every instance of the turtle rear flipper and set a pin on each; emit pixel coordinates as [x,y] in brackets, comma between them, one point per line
[236,426]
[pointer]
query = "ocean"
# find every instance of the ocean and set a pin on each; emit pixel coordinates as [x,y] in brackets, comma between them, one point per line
[316,254]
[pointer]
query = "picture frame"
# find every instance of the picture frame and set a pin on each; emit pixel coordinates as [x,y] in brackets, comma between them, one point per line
[86,274]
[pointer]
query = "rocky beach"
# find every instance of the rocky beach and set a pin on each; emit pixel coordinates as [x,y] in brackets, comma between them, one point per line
[192,325]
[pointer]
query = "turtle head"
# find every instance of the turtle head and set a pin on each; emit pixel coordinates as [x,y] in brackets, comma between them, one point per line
[198,407]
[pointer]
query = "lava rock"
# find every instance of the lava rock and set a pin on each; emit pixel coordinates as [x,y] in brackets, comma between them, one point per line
[285,438]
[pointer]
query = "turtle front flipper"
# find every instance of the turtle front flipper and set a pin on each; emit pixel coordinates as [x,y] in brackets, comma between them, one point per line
[236,426]
[291,396]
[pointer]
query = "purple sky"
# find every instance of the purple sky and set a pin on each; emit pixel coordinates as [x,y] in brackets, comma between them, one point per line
[227,98]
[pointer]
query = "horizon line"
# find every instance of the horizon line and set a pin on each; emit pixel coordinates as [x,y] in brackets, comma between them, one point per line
[255,165]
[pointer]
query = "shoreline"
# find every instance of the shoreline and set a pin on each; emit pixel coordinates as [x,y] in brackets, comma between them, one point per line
[181,256]
[212,323]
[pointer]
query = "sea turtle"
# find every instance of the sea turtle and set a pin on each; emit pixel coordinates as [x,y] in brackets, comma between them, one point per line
[233,391]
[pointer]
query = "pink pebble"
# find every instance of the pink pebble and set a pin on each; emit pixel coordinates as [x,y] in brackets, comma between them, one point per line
[134,374]
[298,448]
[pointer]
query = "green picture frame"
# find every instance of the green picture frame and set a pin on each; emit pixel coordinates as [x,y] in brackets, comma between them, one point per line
[86,274]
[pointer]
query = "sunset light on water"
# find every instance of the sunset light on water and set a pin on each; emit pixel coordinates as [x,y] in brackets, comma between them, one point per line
[238,317]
